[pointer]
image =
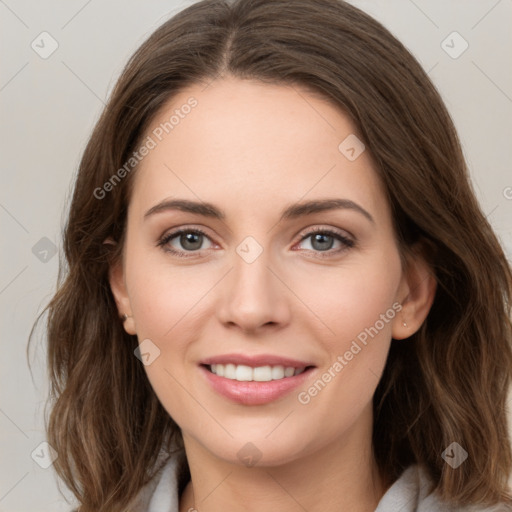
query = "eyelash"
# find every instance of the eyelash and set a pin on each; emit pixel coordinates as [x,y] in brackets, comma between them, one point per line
[347,242]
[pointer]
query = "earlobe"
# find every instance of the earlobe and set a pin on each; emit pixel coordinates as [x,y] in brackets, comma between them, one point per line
[418,289]
[120,293]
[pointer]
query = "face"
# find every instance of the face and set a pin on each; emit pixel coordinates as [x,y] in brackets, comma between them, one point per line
[292,308]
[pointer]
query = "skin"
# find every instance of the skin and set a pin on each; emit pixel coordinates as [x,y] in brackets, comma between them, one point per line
[252,149]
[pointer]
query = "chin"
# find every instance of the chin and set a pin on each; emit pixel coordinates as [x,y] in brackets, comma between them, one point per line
[256,447]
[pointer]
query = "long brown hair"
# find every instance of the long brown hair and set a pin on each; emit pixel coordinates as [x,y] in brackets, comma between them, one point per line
[448,383]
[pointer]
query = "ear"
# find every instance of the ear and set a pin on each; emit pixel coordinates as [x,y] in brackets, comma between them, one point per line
[416,295]
[120,293]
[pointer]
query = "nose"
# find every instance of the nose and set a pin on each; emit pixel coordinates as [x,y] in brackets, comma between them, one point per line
[253,296]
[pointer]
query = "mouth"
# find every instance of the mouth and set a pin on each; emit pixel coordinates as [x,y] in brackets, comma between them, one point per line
[254,380]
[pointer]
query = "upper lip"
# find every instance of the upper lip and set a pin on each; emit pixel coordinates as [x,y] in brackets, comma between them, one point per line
[256,360]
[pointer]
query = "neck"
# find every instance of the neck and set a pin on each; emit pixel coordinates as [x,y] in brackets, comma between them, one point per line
[342,475]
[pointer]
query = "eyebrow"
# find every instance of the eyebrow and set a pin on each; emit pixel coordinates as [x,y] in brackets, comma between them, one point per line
[290,212]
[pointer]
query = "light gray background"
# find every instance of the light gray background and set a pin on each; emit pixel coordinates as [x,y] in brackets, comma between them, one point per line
[48,108]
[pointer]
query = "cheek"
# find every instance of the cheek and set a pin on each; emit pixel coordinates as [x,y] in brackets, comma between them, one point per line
[355,299]
[164,296]
[359,306]
[165,301]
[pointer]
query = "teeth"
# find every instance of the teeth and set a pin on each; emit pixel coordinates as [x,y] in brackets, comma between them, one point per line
[262,373]
[277,372]
[245,373]
[229,371]
[289,371]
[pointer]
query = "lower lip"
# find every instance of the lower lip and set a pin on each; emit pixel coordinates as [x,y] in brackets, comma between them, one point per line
[254,393]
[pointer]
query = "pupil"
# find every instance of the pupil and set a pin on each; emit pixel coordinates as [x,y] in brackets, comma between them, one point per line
[321,239]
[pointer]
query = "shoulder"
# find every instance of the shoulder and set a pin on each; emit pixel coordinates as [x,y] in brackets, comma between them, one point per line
[413,492]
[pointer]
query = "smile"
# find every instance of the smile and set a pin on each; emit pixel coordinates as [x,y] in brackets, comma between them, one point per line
[255,379]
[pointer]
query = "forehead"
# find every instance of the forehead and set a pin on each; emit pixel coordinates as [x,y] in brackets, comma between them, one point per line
[253,145]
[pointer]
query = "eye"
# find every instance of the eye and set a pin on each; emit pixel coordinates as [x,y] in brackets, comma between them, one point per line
[183,241]
[322,240]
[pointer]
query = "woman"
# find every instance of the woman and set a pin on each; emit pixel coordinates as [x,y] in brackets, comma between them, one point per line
[281,291]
